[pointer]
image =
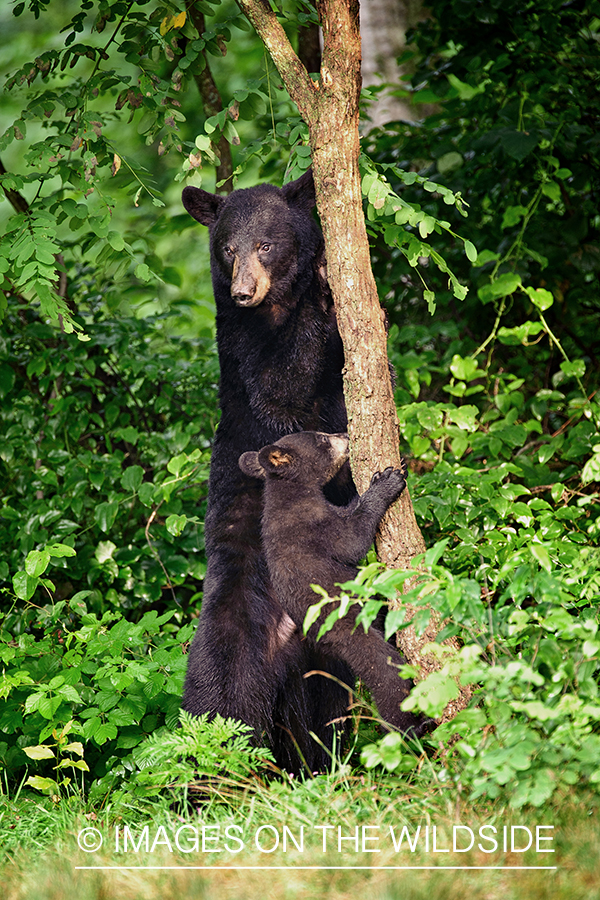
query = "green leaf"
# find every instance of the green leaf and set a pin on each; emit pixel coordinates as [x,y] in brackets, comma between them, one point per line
[105,515]
[464,368]
[449,162]
[429,297]
[512,215]
[521,334]
[460,443]
[7,379]
[435,553]
[466,91]
[41,751]
[105,551]
[540,297]
[541,554]
[115,240]
[60,550]
[590,471]
[143,272]
[574,369]
[426,226]
[471,251]
[506,284]
[518,144]
[175,524]
[552,190]
[46,785]
[314,610]
[460,291]
[129,434]
[24,585]
[131,478]
[36,562]
[146,493]
[465,417]
[105,732]
[176,464]
[378,192]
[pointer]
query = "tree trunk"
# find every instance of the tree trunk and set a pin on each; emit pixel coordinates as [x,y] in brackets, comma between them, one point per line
[330,109]
[383,26]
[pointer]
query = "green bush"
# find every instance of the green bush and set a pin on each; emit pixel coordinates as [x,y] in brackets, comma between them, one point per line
[104,462]
[107,680]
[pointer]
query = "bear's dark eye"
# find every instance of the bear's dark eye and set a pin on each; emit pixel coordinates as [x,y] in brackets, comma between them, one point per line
[264,248]
[228,251]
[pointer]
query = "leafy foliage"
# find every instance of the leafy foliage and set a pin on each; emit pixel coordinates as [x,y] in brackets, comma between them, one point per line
[513,133]
[104,466]
[220,747]
[106,680]
[531,649]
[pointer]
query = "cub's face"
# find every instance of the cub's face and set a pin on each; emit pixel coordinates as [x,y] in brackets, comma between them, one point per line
[310,457]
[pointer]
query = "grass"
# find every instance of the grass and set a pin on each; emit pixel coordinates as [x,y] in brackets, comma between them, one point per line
[41,856]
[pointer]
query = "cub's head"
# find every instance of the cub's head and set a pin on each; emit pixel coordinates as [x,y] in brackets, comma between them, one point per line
[258,236]
[309,457]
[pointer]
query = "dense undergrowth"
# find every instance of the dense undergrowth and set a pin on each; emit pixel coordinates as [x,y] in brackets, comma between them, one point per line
[105,454]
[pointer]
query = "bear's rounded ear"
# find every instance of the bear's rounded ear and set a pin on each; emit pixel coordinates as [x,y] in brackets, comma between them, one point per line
[275,460]
[201,205]
[301,192]
[249,464]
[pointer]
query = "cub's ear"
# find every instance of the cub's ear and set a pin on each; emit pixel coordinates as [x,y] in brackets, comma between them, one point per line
[204,207]
[274,460]
[301,192]
[249,464]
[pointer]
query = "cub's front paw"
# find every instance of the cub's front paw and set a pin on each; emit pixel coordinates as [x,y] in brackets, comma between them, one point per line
[393,481]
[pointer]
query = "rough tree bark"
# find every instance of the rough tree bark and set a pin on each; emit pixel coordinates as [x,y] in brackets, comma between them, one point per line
[330,109]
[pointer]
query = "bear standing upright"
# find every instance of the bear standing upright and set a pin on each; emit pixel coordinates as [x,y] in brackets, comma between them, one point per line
[281,361]
[308,540]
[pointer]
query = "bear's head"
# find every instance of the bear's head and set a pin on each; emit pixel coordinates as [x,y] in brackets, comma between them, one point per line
[263,239]
[304,457]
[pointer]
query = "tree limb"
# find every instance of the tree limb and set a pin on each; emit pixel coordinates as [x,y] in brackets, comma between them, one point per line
[212,103]
[296,79]
[16,200]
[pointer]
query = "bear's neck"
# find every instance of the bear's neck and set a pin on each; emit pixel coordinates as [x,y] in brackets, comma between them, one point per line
[286,498]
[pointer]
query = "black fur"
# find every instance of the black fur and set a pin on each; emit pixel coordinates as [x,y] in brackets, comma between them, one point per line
[281,371]
[308,540]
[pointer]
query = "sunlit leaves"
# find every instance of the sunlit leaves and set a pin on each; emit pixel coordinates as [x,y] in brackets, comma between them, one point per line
[383,202]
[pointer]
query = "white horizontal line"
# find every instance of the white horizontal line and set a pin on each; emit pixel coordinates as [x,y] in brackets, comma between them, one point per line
[367,868]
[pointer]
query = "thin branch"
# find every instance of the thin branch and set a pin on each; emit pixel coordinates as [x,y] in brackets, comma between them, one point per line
[16,200]
[212,103]
[282,53]
[154,551]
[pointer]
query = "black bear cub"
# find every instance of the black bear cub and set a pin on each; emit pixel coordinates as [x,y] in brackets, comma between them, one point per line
[308,540]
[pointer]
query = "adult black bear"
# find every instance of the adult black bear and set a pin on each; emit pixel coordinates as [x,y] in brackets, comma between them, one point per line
[308,540]
[281,362]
